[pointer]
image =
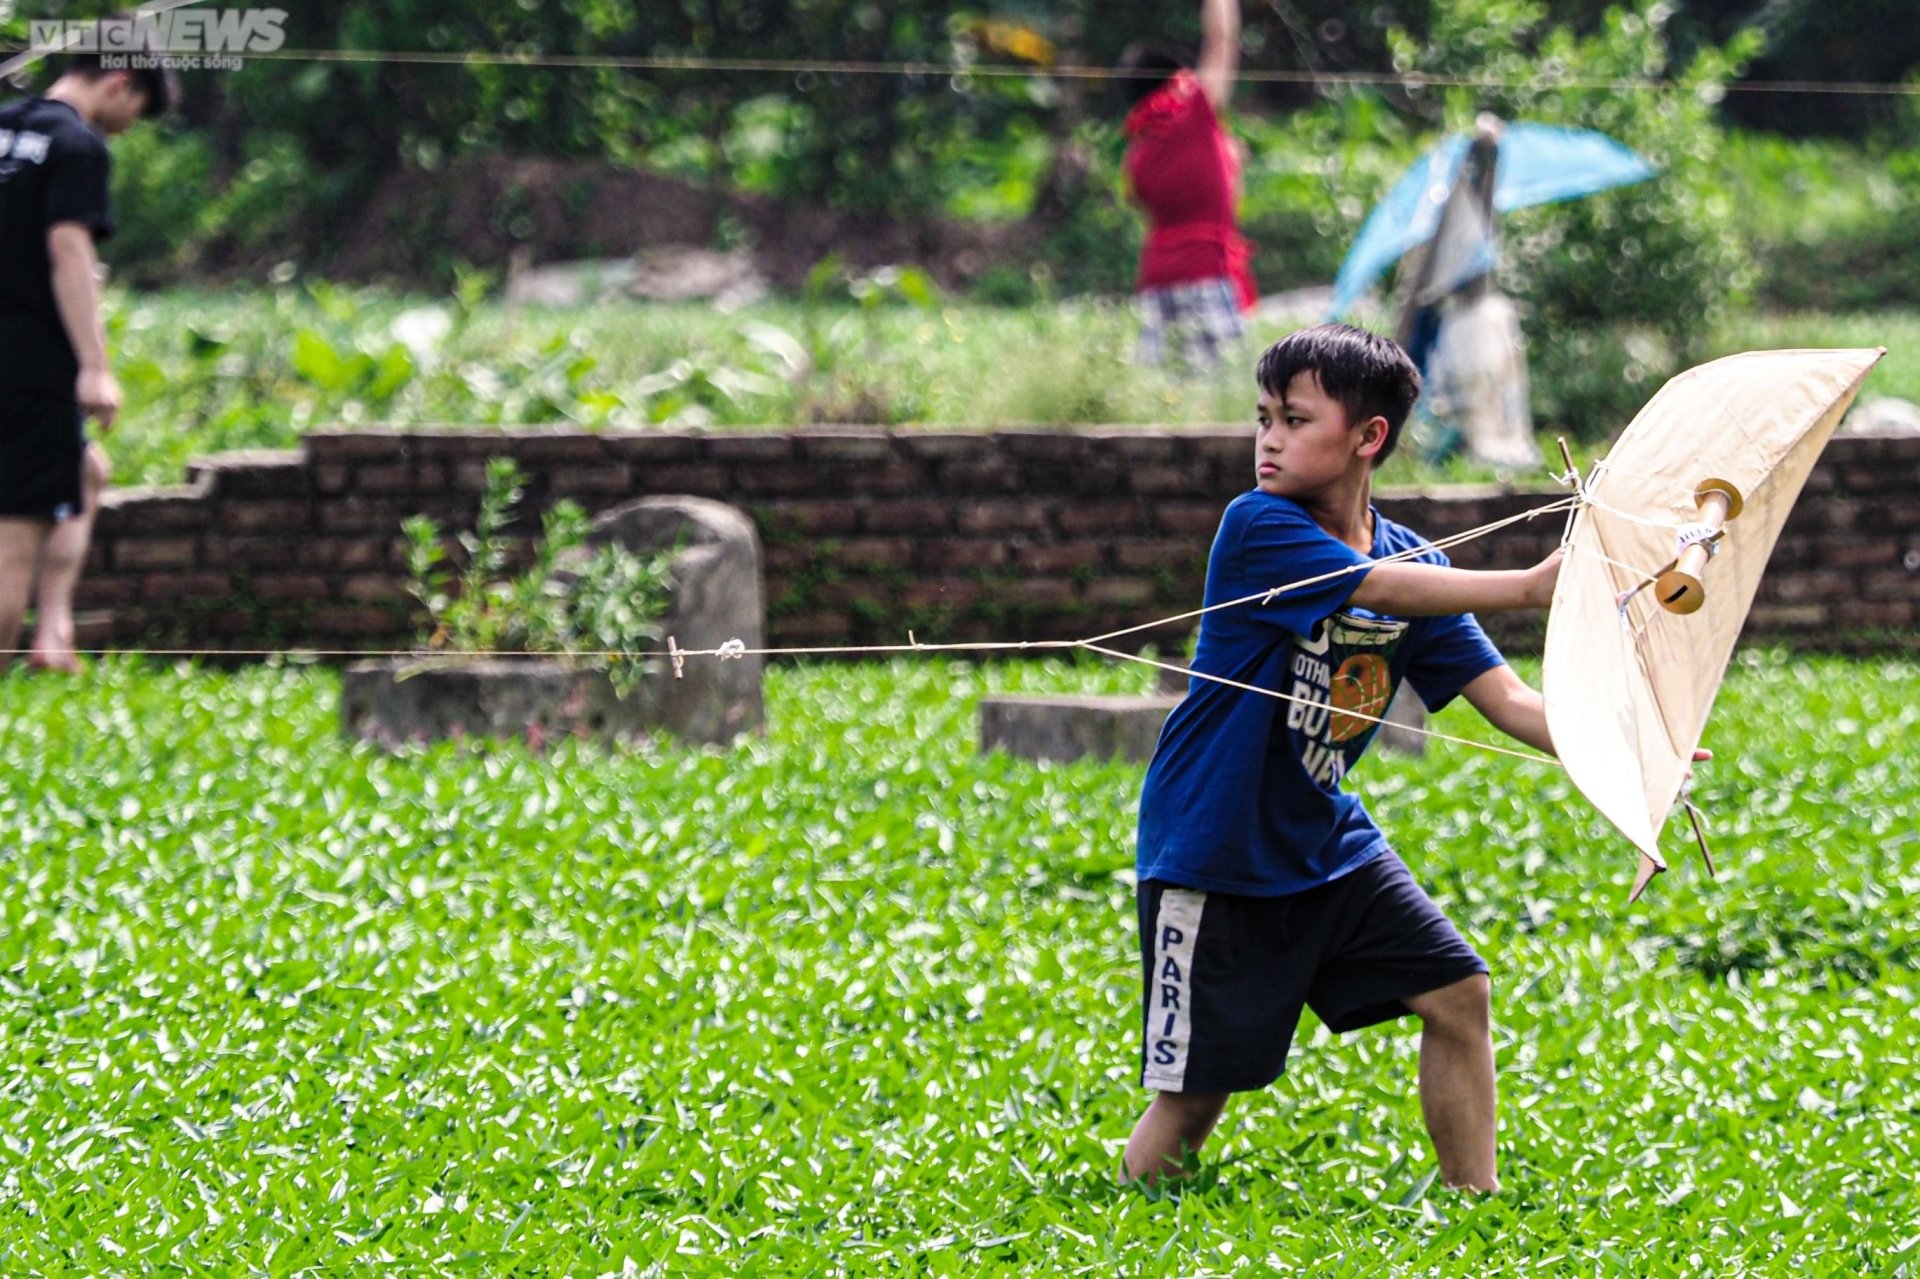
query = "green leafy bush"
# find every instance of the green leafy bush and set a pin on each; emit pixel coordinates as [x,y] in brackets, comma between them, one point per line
[601,608]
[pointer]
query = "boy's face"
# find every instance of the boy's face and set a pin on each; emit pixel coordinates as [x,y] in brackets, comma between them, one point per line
[1304,442]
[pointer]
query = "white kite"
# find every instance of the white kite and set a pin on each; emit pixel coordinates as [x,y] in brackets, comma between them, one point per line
[1663,557]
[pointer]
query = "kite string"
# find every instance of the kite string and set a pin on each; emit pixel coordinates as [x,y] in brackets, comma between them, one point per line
[1411,80]
[1319,705]
[735,649]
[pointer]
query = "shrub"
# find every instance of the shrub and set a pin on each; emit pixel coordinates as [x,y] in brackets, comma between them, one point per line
[603,609]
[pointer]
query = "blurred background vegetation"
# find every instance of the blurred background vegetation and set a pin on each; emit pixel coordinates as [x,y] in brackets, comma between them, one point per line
[1005,188]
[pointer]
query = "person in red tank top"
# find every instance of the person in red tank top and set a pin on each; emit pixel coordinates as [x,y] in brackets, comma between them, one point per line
[1195,282]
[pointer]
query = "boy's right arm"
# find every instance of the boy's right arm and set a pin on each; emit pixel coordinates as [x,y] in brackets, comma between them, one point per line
[1219,50]
[76,294]
[1405,589]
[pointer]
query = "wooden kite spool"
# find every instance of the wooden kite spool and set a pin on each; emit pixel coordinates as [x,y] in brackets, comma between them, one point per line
[1678,587]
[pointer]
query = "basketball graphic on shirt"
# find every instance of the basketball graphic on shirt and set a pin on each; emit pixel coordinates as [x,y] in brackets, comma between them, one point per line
[1362,684]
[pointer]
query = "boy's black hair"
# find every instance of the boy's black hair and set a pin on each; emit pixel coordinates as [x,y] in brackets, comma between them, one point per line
[1145,66]
[159,83]
[1369,375]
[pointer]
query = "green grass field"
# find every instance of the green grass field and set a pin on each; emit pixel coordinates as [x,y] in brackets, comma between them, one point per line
[853,999]
[204,373]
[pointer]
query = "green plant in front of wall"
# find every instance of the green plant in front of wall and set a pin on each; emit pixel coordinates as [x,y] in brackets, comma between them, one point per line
[601,609]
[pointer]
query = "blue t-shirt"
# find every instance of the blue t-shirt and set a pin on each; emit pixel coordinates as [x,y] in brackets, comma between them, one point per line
[1243,794]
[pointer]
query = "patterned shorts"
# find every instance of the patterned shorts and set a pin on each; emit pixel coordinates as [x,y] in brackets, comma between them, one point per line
[1204,317]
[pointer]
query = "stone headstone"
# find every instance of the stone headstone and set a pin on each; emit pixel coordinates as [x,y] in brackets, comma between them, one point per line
[716,597]
[1070,728]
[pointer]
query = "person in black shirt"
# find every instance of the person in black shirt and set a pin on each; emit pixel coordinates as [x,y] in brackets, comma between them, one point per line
[54,208]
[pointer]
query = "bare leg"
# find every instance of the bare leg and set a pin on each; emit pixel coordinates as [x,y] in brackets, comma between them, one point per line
[1456,1080]
[60,564]
[1175,1126]
[20,542]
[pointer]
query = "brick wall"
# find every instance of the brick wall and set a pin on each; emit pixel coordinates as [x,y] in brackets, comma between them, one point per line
[1014,534]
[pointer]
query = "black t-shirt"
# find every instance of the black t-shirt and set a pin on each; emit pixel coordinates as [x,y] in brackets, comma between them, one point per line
[53,169]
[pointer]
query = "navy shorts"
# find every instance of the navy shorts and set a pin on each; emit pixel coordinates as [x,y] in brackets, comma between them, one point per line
[43,443]
[1226,976]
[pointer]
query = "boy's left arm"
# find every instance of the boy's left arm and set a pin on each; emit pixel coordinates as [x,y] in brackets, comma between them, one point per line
[1521,712]
[1508,704]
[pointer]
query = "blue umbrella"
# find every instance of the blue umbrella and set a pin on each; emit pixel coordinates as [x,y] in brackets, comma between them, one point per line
[1539,164]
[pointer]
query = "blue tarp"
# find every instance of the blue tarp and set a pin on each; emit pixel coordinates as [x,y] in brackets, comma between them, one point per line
[1539,164]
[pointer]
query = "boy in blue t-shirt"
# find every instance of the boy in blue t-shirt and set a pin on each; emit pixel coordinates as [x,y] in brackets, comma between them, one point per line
[1263,886]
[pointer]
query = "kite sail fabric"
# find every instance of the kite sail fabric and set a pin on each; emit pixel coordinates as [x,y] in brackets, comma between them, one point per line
[1628,678]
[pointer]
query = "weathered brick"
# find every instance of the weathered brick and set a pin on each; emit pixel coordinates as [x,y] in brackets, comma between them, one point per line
[958,555]
[1060,557]
[1160,479]
[252,552]
[1001,516]
[698,478]
[948,446]
[1849,552]
[537,449]
[1050,591]
[829,516]
[776,480]
[359,446]
[1806,587]
[1890,584]
[253,473]
[1223,449]
[942,592]
[1182,554]
[156,553]
[1110,516]
[984,475]
[291,587]
[1891,613]
[1120,590]
[846,444]
[857,478]
[875,552]
[751,447]
[902,515]
[374,587]
[1044,445]
[603,479]
[232,623]
[361,514]
[809,628]
[158,588]
[788,557]
[392,477]
[652,448]
[347,553]
[282,516]
[1902,453]
[105,592]
[451,446]
[1186,517]
[332,477]
[153,510]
